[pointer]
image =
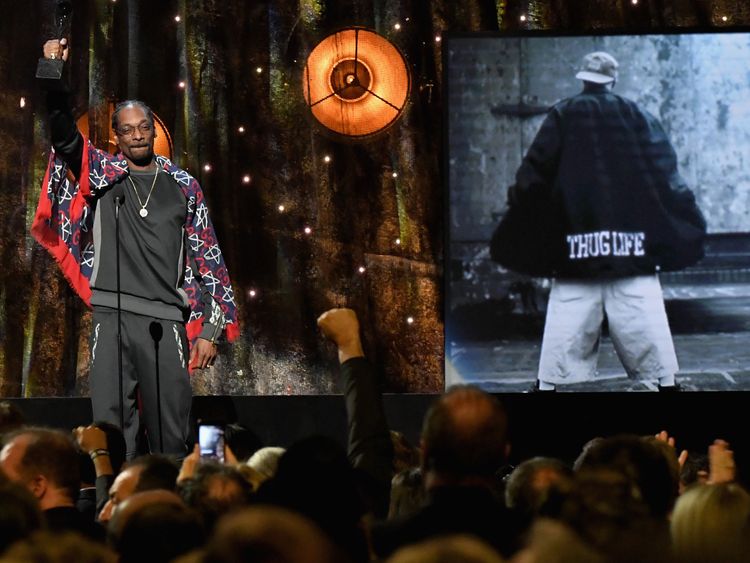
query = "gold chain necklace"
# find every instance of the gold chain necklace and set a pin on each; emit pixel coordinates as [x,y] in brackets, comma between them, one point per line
[144,212]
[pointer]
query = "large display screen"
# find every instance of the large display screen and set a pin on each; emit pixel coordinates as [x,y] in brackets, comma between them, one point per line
[618,169]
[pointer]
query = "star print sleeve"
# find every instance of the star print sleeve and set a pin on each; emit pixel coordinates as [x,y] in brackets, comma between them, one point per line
[213,319]
[212,297]
[212,327]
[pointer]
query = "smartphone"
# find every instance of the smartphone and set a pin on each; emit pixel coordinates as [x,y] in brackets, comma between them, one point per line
[211,441]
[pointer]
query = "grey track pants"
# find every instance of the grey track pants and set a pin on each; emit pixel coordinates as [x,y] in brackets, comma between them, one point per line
[139,370]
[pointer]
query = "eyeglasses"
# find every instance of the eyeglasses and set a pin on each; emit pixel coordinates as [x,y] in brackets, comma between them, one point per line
[127,130]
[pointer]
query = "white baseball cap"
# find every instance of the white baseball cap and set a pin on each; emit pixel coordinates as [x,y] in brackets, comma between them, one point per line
[598,67]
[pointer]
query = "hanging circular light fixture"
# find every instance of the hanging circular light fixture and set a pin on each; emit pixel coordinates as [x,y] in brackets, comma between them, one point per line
[162,143]
[356,83]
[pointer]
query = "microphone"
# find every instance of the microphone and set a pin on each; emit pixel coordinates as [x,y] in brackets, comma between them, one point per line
[156,331]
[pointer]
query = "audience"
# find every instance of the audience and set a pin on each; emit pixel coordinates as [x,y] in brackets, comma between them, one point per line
[530,485]
[407,493]
[456,549]
[551,541]
[711,522]
[142,474]
[154,526]
[262,465]
[316,480]
[102,455]
[606,509]
[122,488]
[269,535]
[215,490]
[379,498]
[240,443]
[644,463]
[464,443]
[694,470]
[20,515]
[58,547]
[46,462]
[405,456]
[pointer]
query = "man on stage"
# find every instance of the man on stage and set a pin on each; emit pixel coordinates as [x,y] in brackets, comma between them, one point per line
[170,281]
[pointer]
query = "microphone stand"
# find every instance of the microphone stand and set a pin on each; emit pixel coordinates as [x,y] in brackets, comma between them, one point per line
[118,203]
[157,331]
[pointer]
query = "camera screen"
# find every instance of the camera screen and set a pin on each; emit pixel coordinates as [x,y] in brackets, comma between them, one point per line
[211,440]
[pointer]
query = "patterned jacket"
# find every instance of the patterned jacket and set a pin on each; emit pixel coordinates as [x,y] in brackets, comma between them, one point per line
[64,220]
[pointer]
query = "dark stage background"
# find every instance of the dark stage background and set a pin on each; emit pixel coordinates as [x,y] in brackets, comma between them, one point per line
[354,205]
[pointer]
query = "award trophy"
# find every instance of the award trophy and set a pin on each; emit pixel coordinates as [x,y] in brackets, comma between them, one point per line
[50,71]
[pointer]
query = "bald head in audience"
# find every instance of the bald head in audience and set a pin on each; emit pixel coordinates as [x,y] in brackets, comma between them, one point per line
[146,473]
[464,438]
[45,461]
[154,526]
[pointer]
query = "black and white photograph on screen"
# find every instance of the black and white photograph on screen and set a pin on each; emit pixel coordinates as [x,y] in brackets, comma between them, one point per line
[599,212]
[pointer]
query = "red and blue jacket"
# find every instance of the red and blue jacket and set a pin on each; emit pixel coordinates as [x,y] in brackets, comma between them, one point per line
[64,220]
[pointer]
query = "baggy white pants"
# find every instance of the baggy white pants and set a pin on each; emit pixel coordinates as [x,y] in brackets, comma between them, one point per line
[637,325]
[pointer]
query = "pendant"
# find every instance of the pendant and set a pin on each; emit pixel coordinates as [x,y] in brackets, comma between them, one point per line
[143,212]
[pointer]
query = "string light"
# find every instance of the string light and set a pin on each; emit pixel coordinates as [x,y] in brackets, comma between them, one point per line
[241,129]
[724,18]
[635,2]
[523,17]
[308,230]
[438,39]
[207,167]
[326,159]
[22,102]
[252,294]
[410,320]
[246,179]
[361,269]
[395,174]
[281,209]
[398,242]
[397,26]
[177,18]
[259,69]
[181,84]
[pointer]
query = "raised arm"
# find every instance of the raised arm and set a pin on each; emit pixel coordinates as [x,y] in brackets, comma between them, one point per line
[369,445]
[65,137]
[93,441]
